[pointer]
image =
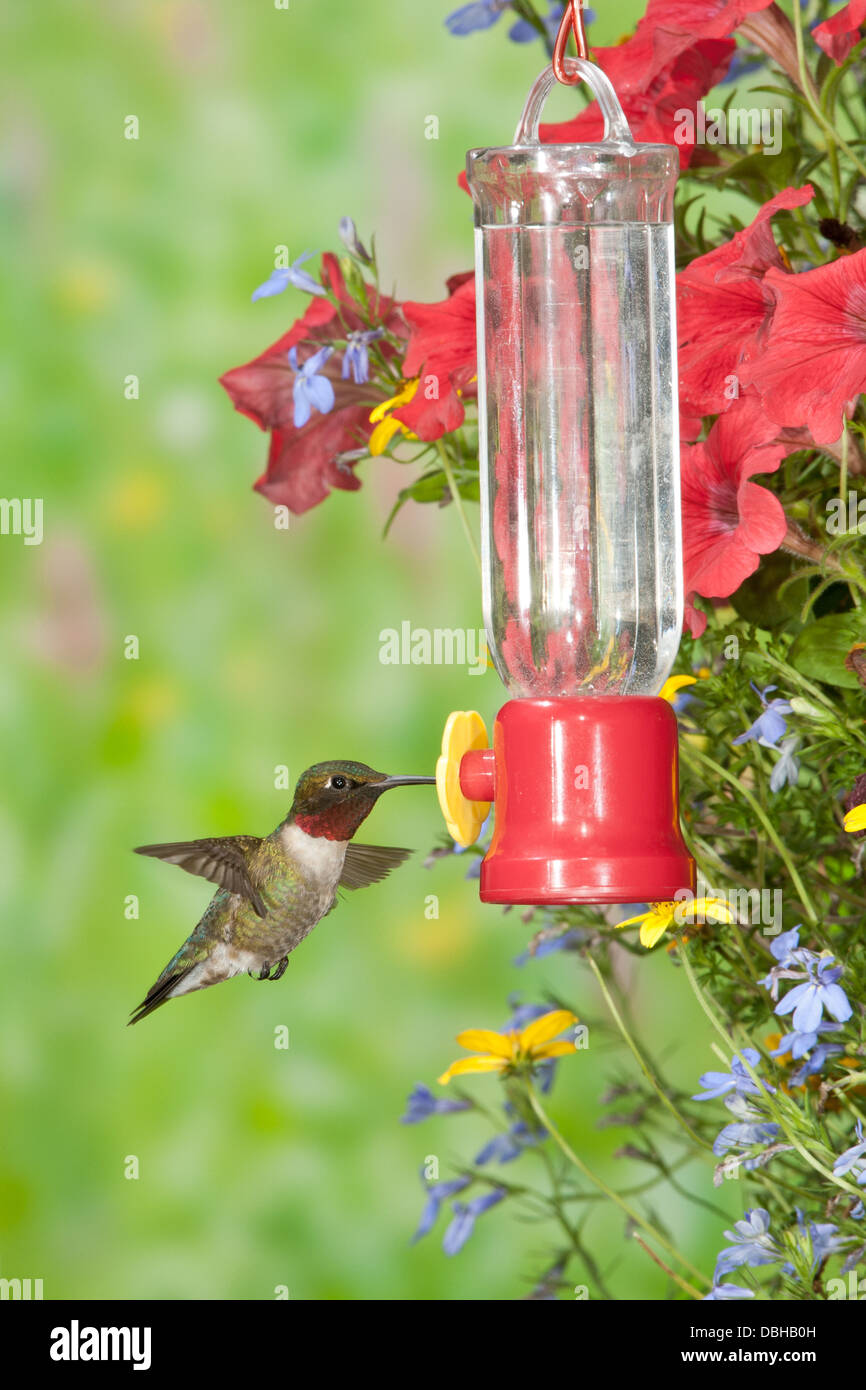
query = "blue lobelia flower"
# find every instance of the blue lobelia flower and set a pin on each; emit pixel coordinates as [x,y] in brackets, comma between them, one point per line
[481,14]
[465,1216]
[524,32]
[770,725]
[280,279]
[566,941]
[853,1161]
[352,242]
[310,389]
[545,1073]
[356,358]
[825,1240]
[510,1145]
[422,1103]
[799,1044]
[819,992]
[751,1244]
[743,1136]
[719,1083]
[788,953]
[437,1193]
[522,1014]
[504,1148]
[720,1292]
[750,1129]
[814,1063]
[787,768]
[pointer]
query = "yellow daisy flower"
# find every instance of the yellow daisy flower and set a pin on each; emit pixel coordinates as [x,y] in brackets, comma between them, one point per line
[855,819]
[386,425]
[505,1052]
[660,916]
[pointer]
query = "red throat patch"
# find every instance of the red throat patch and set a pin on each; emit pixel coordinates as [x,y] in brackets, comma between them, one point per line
[337,823]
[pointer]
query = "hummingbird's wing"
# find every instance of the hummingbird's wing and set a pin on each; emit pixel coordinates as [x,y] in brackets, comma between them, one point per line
[369,864]
[222,861]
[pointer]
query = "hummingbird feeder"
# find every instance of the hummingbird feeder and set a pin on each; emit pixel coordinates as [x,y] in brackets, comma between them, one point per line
[580,515]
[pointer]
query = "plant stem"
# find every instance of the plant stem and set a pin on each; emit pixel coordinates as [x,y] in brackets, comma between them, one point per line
[556,1206]
[692,1292]
[796,542]
[457,500]
[809,95]
[694,753]
[632,1046]
[818,695]
[771,1103]
[579,1164]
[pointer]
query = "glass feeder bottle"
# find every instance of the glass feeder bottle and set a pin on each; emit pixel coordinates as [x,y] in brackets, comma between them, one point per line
[580,510]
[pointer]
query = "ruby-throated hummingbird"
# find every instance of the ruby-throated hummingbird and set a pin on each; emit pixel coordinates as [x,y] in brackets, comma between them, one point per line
[273,891]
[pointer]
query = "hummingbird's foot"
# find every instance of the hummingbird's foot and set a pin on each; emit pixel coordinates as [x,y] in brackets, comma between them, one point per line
[281,969]
[264,973]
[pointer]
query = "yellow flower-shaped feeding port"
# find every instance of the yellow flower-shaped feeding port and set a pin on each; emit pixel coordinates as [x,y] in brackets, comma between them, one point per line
[383,419]
[660,916]
[855,819]
[508,1052]
[674,684]
[671,689]
[465,731]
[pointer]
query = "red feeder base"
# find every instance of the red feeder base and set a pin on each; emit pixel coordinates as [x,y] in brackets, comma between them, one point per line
[585,794]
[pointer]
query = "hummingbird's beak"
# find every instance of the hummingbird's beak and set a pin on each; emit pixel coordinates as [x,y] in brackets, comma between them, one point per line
[389,782]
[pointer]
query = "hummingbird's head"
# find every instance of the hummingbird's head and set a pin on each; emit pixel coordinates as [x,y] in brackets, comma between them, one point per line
[332,799]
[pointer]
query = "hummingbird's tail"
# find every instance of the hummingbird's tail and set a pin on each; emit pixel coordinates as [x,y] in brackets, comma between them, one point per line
[159,994]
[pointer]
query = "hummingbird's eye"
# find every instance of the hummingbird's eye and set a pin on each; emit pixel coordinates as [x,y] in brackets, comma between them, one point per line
[339,783]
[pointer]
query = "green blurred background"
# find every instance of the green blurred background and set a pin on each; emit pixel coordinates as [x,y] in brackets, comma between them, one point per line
[257,1167]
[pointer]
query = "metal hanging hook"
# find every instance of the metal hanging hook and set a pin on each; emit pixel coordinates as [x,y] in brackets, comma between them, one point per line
[572,23]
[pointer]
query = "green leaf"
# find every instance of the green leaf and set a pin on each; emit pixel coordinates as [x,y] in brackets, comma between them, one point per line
[430,487]
[433,487]
[820,650]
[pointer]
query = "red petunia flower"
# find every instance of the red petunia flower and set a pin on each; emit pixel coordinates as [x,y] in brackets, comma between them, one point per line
[655,109]
[668,28]
[723,309]
[695,619]
[304,464]
[772,31]
[653,96]
[729,521]
[442,353]
[812,366]
[838,35]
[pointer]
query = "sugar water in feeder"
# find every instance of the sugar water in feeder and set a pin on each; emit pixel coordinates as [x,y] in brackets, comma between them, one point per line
[580,517]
